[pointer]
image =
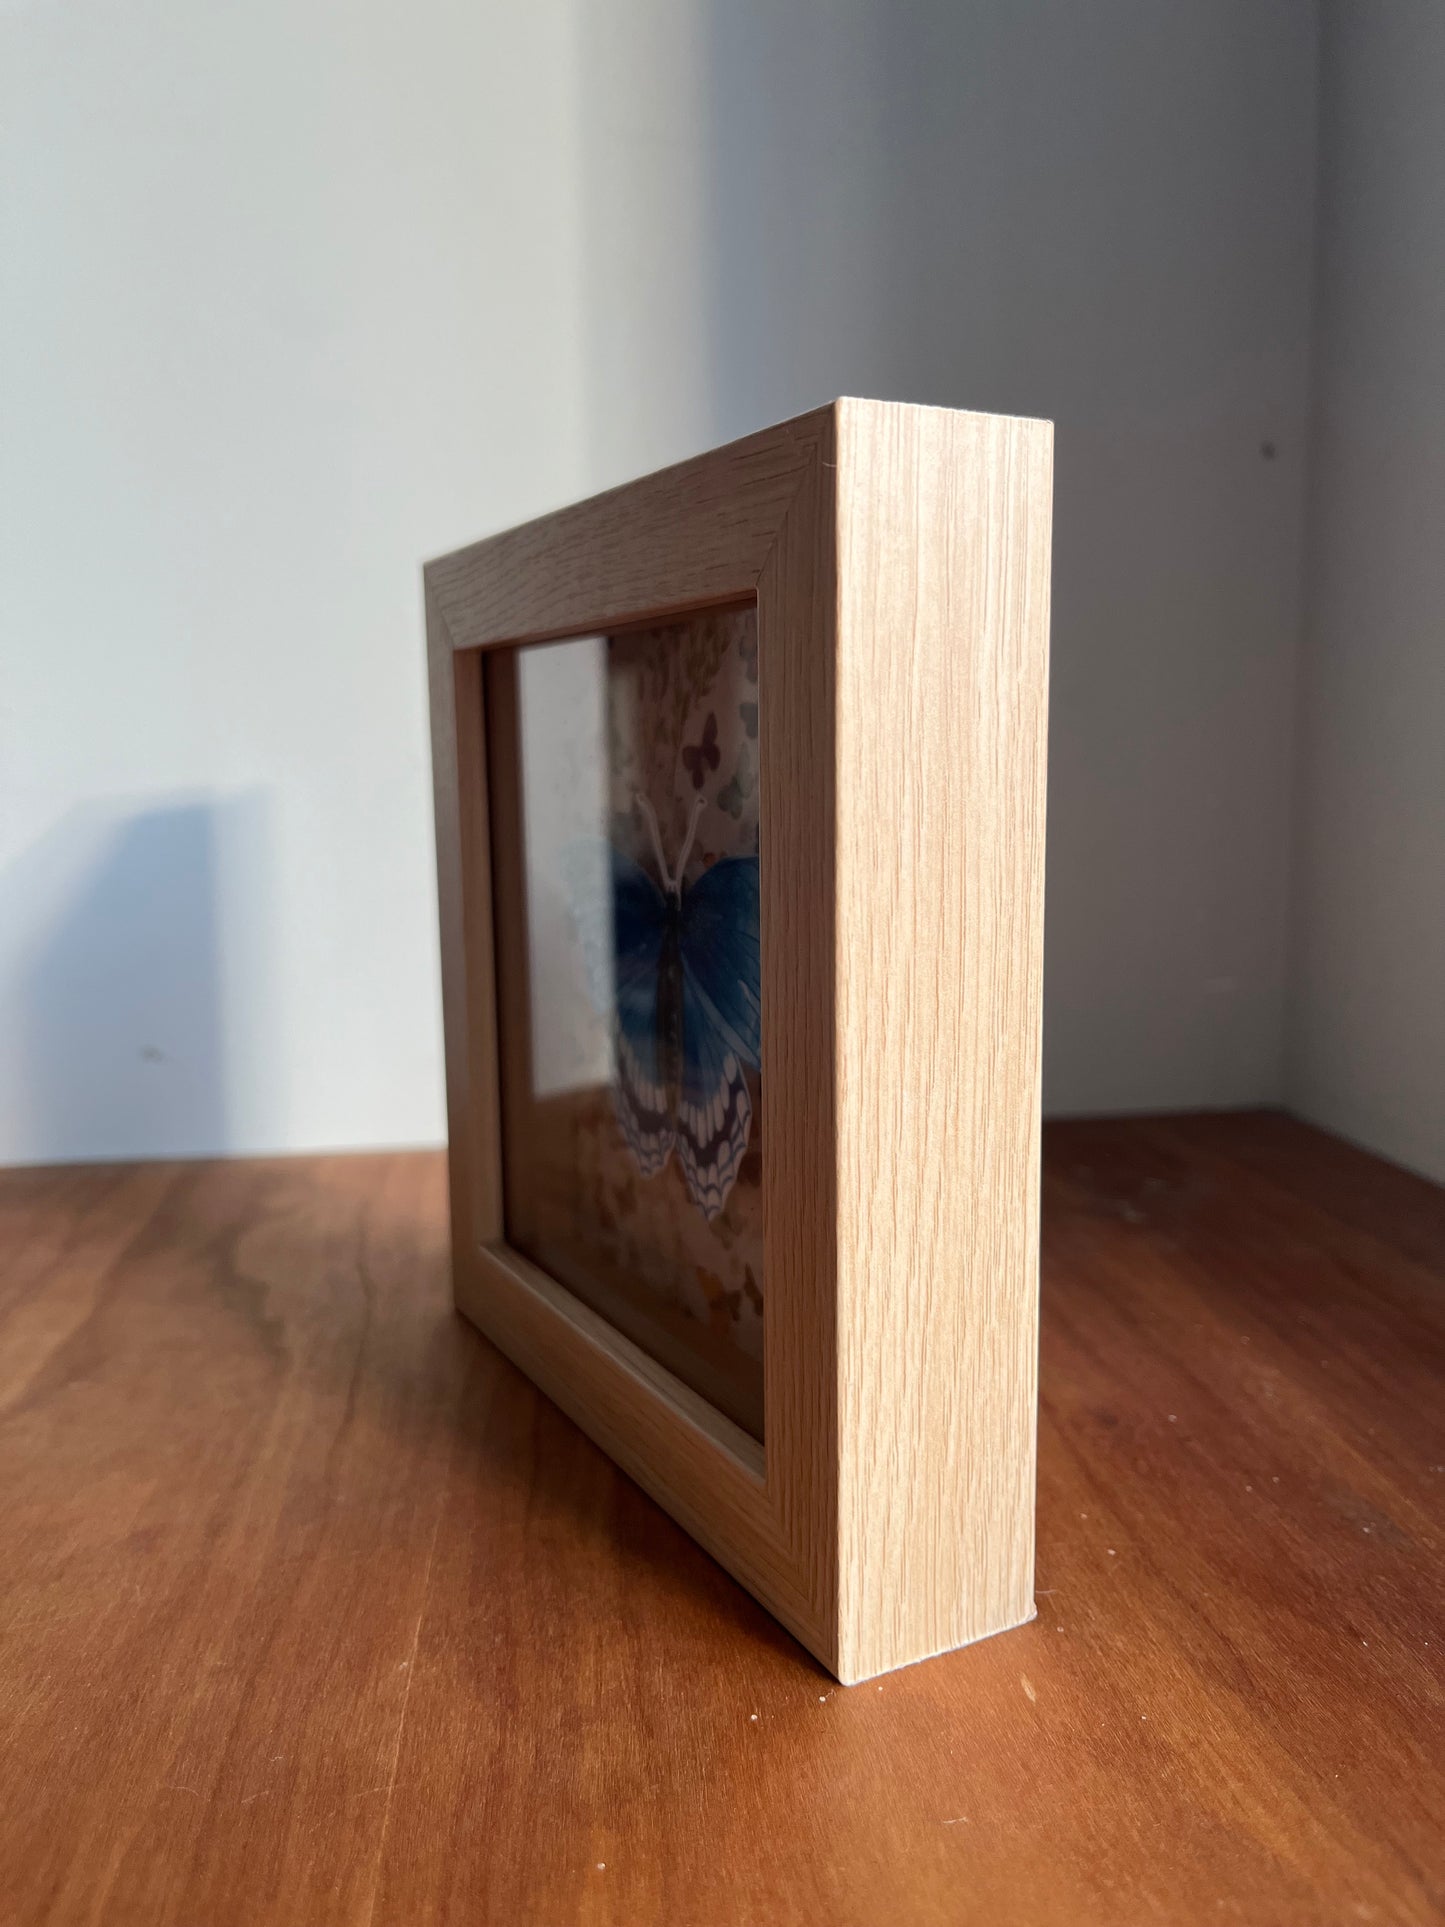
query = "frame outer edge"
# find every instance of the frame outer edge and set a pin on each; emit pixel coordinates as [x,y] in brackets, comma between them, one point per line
[888,1509]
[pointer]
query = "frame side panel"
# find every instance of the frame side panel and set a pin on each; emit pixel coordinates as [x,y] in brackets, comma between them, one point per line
[797,610]
[464,900]
[944,525]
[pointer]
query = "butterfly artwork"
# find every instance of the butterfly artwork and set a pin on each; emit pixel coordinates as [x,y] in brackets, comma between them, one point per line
[704,755]
[741,786]
[674,967]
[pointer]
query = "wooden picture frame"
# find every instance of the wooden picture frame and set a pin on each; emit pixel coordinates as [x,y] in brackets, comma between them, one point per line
[899,558]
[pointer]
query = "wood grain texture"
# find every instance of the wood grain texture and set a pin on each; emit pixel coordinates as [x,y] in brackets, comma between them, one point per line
[696,534]
[314,1611]
[900,561]
[464,899]
[943,643]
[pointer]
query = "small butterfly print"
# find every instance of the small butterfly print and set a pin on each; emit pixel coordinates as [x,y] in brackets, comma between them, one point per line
[700,757]
[748,650]
[723,1306]
[680,965]
[735,793]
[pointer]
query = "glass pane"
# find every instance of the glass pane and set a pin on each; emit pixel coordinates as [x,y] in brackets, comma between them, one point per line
[625,833]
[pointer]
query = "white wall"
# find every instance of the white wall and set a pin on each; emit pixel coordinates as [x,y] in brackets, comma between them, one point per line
[1367,1055]
[292,296]
[291,299]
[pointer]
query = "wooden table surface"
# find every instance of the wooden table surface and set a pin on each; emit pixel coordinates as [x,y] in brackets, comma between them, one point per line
[312,1610]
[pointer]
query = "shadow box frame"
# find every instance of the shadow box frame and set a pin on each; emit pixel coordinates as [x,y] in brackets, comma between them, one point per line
[898,558]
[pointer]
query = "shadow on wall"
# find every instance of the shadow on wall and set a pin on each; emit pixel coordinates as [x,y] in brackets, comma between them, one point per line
[115,1016]
[1102,215]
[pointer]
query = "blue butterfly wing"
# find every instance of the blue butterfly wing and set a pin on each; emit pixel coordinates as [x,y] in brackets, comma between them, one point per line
[721,952]
[721,1028]
[621,921]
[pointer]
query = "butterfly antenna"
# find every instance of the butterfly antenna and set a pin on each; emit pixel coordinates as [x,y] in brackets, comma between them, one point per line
[649,817]
[699,804]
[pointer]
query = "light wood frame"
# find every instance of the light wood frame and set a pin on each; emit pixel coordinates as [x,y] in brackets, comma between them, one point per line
[900,561]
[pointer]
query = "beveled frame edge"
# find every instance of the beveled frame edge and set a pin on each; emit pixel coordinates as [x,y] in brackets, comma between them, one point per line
[754,519]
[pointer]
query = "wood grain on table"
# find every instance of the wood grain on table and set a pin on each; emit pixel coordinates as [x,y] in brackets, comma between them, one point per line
[313,1610]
